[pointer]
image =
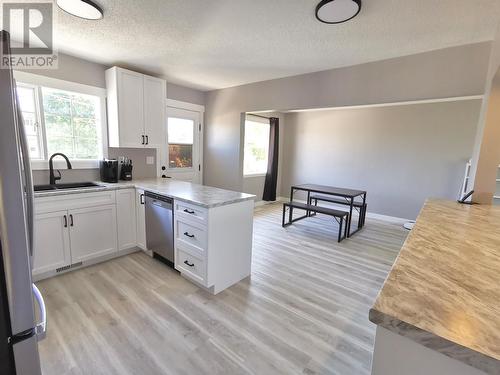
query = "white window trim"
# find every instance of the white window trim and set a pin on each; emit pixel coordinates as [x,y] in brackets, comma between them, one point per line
[185,105]
[38,80]
[251,175]
[250,117]
[178,104]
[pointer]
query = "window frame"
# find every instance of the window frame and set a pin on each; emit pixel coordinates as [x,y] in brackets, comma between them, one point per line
[38,81]
[42,142]
[192,144]
[250,118]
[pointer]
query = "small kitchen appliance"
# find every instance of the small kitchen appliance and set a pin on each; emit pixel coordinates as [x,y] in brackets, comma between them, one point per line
[126,170]
[109,170]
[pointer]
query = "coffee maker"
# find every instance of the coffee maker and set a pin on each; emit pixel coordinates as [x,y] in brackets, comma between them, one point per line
[109,170]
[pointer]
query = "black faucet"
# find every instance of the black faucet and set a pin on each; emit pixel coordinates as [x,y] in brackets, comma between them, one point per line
[53,178]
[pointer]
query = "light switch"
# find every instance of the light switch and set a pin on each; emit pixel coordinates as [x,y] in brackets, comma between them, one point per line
[150,160]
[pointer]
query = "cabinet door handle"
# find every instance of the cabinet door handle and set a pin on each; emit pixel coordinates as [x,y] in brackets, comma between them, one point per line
[142,139]
[147,139]
[189,235]
[71,219]
[188,264]
[188,211]
[142,198]
[65,221]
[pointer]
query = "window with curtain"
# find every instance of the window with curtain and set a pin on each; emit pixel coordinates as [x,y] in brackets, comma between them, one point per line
[61,121]
[256,148]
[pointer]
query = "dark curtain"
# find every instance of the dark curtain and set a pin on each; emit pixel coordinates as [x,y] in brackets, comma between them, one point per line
[272,161]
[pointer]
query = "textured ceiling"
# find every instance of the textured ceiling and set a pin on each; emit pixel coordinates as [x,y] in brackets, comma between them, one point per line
[208,44]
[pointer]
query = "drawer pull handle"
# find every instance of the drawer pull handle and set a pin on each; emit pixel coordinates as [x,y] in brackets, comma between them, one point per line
[188,264]
[189,235]
[188,211]
[65,221]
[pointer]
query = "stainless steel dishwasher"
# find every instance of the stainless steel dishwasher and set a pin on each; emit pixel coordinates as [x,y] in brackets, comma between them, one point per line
[160,225]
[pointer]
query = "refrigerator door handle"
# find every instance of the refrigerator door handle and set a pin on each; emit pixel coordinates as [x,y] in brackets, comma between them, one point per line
[30,194]
[40,328]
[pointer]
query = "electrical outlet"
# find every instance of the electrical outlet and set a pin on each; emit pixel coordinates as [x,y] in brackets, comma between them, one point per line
[121,159]
[150,160]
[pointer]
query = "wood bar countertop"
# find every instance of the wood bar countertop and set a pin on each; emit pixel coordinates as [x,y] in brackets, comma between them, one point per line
[444,289]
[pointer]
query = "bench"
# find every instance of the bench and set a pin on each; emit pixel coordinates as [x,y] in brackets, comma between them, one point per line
[340,216]
[358,205]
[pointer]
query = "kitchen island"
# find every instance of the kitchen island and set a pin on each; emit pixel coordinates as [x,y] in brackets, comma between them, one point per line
[213,228]
[438,311]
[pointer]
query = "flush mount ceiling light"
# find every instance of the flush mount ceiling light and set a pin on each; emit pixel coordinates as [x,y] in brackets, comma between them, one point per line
[337,11]
[81,8]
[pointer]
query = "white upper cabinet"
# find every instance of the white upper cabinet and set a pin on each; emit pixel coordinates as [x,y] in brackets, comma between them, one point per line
[136,108]
[154,110]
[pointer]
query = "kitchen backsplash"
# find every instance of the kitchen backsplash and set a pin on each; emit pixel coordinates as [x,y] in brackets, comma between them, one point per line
[138,156]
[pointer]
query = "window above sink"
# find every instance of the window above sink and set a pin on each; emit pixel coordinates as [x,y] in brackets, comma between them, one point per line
[62,116]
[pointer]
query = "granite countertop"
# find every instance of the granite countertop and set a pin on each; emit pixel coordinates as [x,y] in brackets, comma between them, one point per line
[205,196]
[444,289]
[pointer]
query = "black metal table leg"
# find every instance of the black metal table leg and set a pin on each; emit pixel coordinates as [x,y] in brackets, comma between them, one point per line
[362,222]
[308,199]
[283,218]
[340,229]
[290,212]
[348,221]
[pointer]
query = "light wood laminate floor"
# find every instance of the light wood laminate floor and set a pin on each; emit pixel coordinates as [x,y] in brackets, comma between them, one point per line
[303,311]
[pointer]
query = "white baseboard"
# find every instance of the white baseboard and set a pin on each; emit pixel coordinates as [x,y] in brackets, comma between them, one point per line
[371,215]
[87,263]
[387,218]
[260,203]
[263,203]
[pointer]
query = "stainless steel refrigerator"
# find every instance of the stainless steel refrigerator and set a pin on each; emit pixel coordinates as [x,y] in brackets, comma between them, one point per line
[21,327]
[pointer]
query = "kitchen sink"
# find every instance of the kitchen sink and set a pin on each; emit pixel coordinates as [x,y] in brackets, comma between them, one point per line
[74,185]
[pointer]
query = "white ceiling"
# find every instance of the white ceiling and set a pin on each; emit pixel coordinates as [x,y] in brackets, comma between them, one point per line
[209,44]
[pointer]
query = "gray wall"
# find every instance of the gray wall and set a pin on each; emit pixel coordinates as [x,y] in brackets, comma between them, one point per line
[185,94]
[78,70]
[485,159]
[74,69]
[400,155]
[450,72]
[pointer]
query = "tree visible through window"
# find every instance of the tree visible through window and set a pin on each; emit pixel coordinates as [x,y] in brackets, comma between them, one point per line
[256,147]
[180,142]
[71,123]
[61,121]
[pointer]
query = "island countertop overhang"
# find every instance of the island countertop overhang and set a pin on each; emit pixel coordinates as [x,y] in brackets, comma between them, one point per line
[443,290]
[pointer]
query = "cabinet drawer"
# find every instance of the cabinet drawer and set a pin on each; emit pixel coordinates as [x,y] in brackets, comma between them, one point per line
[191,235]
[75,200]
[191,212]
[190,265]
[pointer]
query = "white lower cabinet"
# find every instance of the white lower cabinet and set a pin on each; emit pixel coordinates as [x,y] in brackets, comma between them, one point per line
[92,232]
[52,247]
[79,229]
[140,209]
[126,218]
[190,265]
[213,246]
